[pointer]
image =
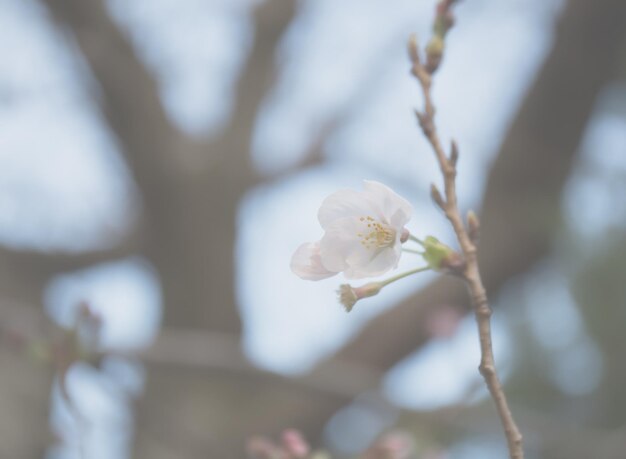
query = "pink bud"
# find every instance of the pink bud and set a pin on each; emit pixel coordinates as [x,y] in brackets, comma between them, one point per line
[295,444]
[397,445]
[405,235]
[441,8]
[261,448]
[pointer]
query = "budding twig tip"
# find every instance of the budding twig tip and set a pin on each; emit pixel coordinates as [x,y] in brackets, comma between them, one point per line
[473,226]
[435,194]
[454,152]
[413,47]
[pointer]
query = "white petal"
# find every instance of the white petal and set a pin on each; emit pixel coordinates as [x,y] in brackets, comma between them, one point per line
[346,203]
[307,264]
[395,209]
[341,250]
[339,242]
[378,264]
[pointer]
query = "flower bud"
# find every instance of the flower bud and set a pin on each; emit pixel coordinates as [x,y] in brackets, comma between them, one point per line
[404,236]
[473,226]
[454,153]
[441,257]
[435,195]
[444,18]
[434,52]
[295,444]
[414,53]
[348,295]
[394,445]
[262,448]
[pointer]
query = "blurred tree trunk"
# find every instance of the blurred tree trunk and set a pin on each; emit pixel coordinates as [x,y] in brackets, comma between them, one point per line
[190,189]
[25,383]
[600,291]
[24,393]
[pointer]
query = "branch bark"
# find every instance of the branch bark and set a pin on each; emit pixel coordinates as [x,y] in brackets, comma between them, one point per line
[28,263]
[470,271]
[547,131]
[24,386]
[129,94]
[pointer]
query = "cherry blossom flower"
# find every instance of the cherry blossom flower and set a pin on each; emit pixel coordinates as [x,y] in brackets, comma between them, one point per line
[363,234]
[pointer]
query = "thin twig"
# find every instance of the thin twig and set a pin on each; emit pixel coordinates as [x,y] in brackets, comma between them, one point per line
[471,272]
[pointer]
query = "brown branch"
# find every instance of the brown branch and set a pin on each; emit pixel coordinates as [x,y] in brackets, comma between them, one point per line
[221,353]
[29,263]
[470,272]
[271,20]
[547,131]
[129,99]
[231,148]
[551,437]
[211,352]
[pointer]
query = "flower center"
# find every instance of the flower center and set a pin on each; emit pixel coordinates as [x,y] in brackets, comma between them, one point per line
[376,234]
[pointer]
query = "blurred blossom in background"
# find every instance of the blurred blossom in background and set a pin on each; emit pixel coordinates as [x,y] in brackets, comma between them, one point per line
[161,160]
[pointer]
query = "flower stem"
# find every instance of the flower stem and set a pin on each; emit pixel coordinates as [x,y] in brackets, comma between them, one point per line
[413,251]
[415,239]
[405,274]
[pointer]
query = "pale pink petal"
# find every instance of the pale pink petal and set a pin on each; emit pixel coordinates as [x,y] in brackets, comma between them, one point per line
[346,203]
[307,264]
[339,242]
[376,264]
[395,209]
[342,249]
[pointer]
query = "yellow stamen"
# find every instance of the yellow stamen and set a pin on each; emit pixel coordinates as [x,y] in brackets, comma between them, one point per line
[377,234]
